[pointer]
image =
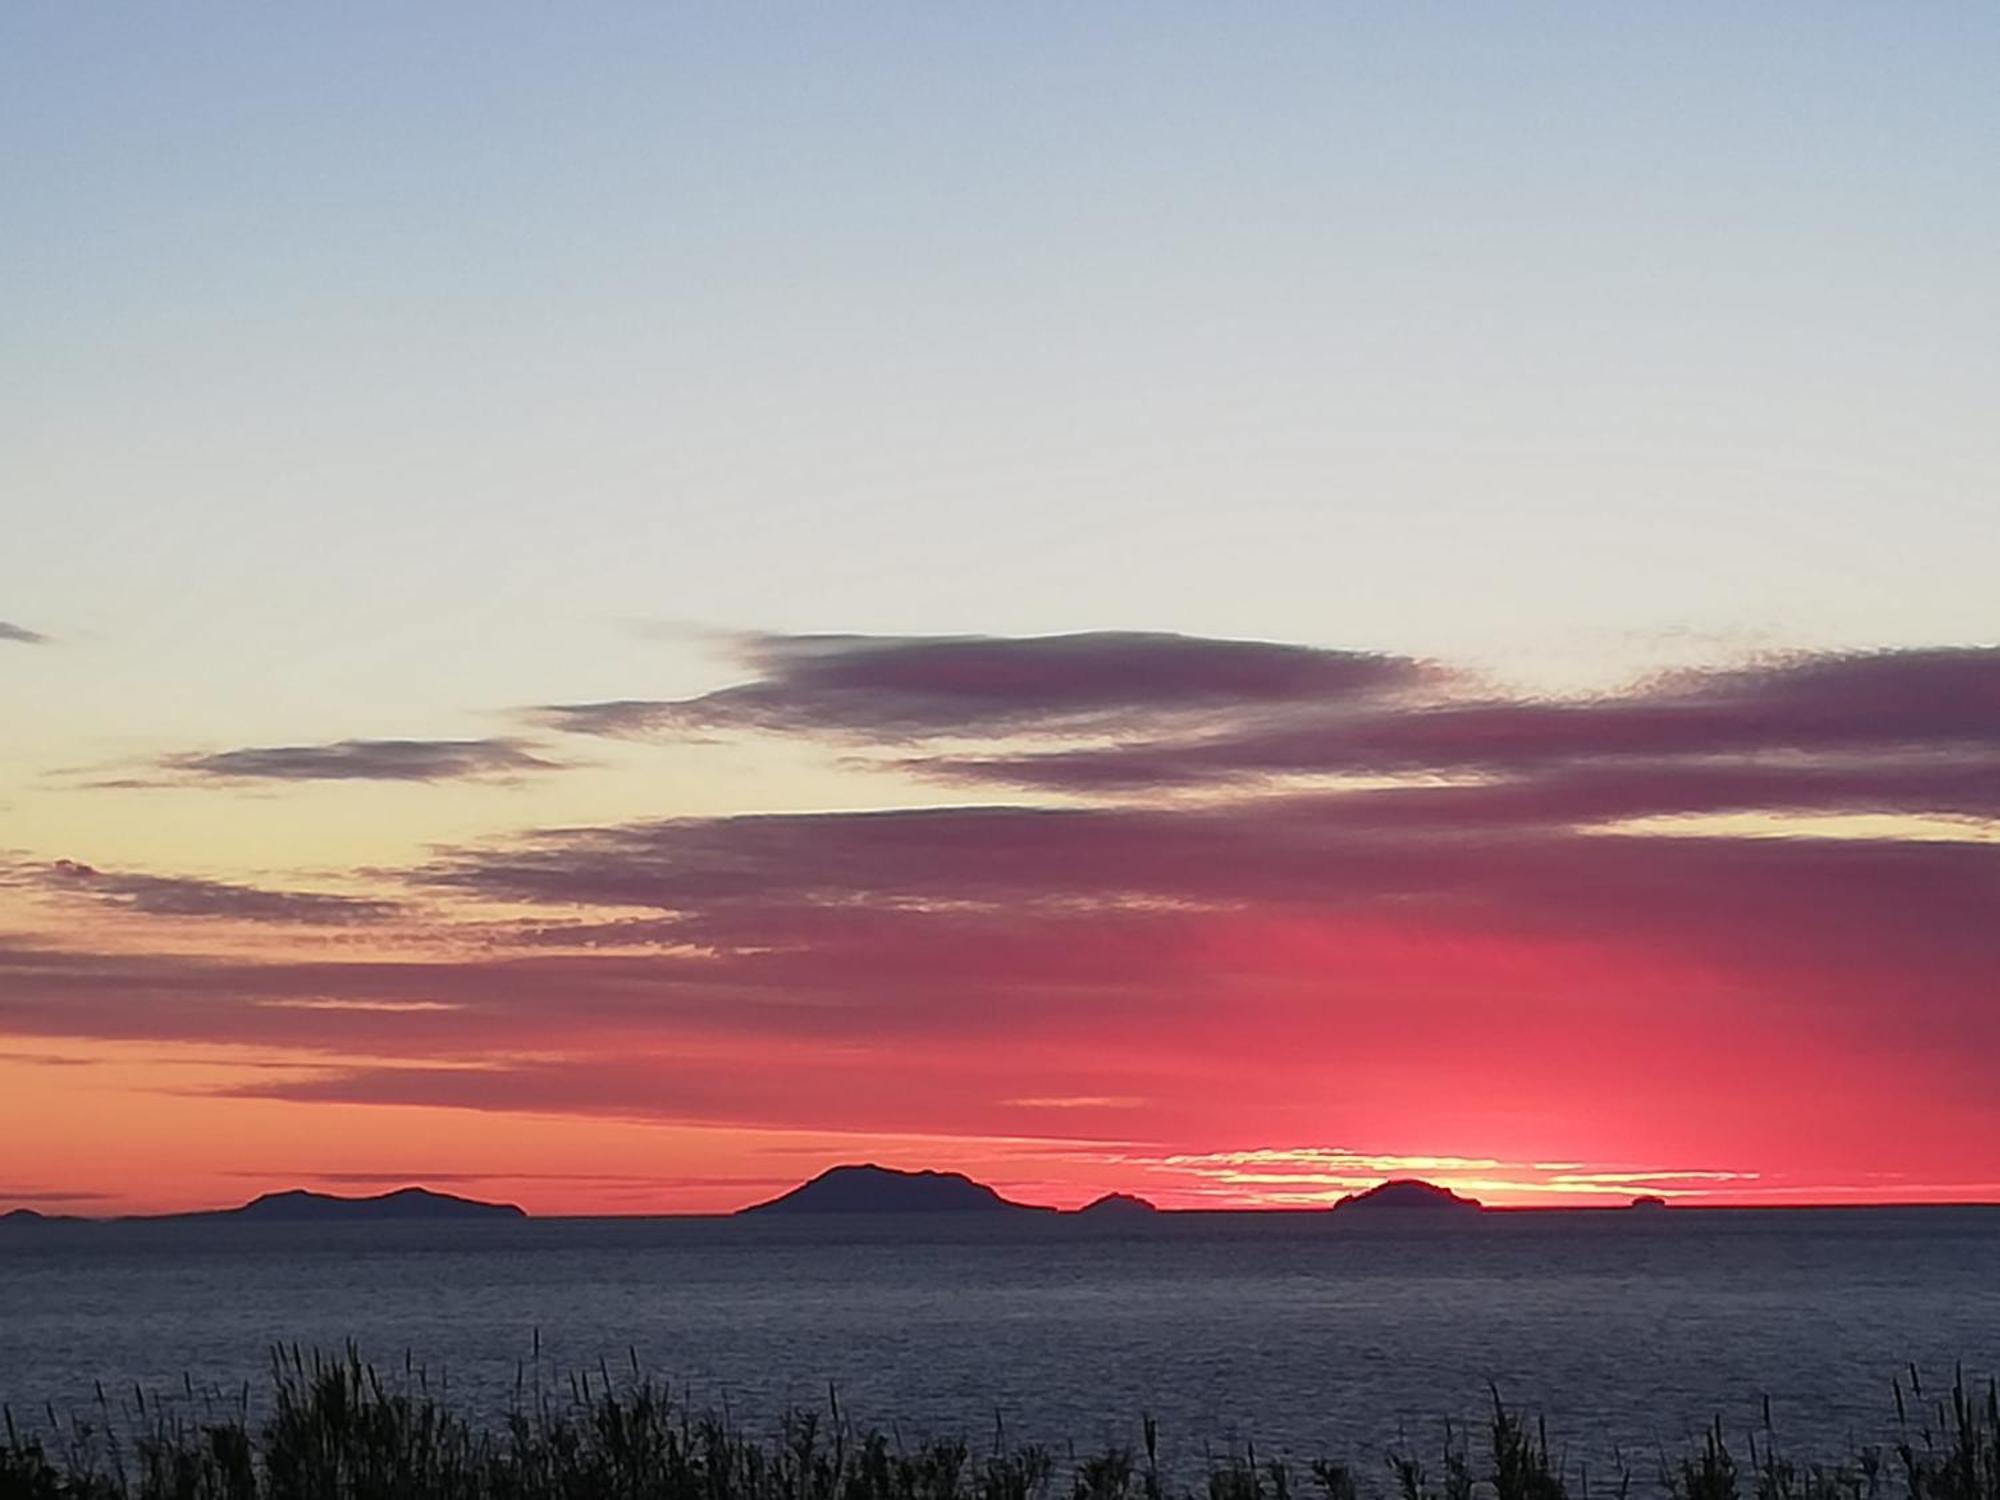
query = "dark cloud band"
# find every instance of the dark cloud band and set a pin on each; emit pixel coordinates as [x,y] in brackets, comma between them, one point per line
[1940,702]
[917,687]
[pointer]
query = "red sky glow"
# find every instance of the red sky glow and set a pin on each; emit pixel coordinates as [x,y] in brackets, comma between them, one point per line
[1227,924]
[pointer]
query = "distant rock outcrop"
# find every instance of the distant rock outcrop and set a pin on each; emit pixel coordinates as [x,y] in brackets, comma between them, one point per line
[1647,1202]
[1408,1193]
[1119,1206]
[870,1189]
[301,1206]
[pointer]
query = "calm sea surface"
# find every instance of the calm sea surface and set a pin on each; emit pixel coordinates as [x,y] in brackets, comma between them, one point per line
[1306,1335]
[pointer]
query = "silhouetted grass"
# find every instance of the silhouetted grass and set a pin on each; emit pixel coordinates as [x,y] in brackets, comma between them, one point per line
[337,1431]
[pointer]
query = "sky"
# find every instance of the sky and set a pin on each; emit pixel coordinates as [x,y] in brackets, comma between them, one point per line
[610,606]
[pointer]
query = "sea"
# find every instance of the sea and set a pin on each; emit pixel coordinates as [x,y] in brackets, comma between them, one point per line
[1291,1336]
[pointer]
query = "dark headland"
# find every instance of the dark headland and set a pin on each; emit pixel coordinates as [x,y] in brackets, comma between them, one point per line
[1408,1193]
[302,1206]
[870,1189]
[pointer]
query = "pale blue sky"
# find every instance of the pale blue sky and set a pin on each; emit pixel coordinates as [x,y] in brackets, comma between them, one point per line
[367,365]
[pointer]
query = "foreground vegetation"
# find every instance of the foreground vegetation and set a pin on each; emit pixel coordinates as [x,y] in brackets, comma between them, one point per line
[336,1431]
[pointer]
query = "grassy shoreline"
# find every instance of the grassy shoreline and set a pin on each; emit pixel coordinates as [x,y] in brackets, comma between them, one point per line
[336,1430]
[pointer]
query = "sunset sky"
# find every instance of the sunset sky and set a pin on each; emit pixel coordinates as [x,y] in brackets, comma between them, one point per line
[611,608]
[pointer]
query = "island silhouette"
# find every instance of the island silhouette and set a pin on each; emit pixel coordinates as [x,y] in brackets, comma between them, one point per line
[1407,1193]
[869,1189]
[1119,1206]
[303,1206]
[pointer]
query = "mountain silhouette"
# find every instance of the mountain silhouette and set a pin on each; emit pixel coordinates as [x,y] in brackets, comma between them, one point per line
[869,1189]
[302,1206]
[1408,1193]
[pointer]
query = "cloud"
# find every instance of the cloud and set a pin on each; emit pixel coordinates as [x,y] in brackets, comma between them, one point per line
[47,1059]
[1296,847]
[916,687]
[1913,732]
[186,896]
[47,1195]
[1939,702]
[1078,1101]
[21,635]
[366,760]
[779,883]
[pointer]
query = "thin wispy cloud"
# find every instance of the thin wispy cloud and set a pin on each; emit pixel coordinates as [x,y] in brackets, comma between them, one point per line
[188,896]
[20,635]
[14,1193]
[366,760]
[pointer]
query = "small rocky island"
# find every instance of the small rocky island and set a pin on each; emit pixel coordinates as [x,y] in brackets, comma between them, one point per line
[1407,1193]
[869,1189]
